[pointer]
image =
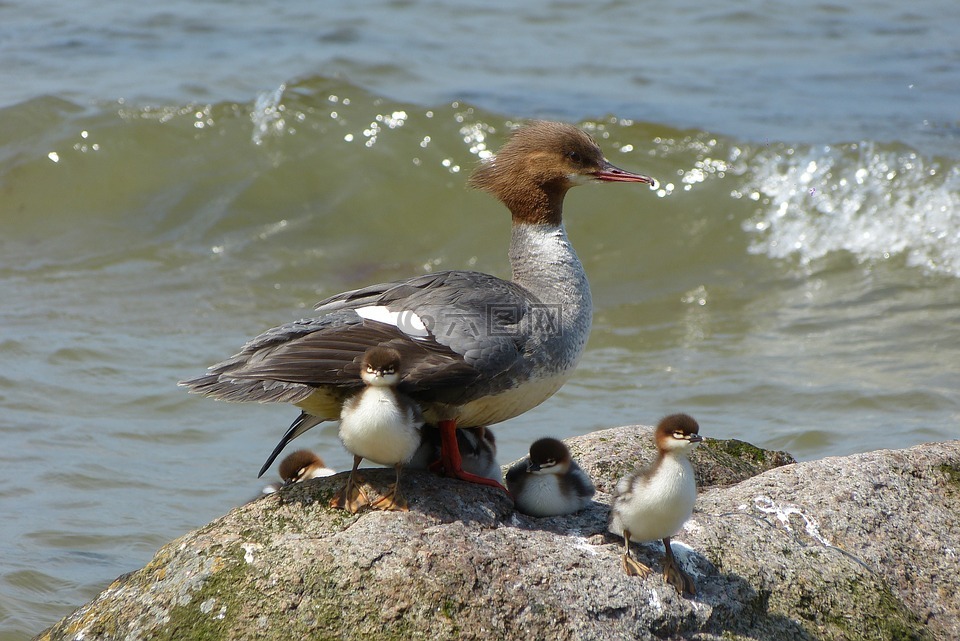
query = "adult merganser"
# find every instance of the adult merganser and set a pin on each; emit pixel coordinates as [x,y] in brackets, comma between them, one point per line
[380,424]
[654,503]
[477,349]
[302,465]
[478,451]
[549,482]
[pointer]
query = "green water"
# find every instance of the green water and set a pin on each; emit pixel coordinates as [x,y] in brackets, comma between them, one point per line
[144,244]
[801,292]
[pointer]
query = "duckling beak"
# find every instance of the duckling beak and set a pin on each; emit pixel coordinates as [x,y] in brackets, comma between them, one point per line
[533,467]
[695,438]
[608,173]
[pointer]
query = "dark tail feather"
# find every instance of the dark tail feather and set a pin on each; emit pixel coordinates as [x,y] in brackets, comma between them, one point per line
[303,423]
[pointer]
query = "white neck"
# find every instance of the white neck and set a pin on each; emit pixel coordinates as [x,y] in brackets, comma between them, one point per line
[544,263]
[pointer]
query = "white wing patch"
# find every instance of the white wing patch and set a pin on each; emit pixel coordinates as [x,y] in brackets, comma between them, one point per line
[406,321]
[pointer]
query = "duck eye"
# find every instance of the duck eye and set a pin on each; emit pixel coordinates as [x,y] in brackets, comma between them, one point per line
[575,157]
[369,369]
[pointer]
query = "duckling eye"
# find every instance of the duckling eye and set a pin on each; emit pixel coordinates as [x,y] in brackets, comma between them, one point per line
[388,370]
[575,156]
[369,369]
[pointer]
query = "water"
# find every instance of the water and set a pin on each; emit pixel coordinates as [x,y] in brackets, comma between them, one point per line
[176,178]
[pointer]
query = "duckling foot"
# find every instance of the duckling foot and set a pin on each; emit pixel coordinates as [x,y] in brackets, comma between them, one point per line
[631,566]
[392,501]
[674,574]
[634,568]
[351,498]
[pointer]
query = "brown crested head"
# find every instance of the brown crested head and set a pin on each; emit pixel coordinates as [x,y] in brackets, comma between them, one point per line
[542,160]
[677,432]
[548,453]
[380,359]
[293,467]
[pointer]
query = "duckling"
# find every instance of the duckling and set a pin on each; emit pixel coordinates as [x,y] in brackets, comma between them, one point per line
[549,482]
[478,452]
[302,465]
[653,503]
[380,424]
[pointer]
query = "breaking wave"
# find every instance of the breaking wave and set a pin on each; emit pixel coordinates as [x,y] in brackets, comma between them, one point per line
[871,200]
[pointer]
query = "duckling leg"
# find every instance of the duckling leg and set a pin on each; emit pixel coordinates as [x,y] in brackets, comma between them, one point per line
[351,498]
[630,565]
[450,458]
[674,574]
[393,500]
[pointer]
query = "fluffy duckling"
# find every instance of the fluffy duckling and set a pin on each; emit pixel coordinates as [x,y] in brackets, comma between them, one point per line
[653,503]
[380,424]
[302,465]
[549,482]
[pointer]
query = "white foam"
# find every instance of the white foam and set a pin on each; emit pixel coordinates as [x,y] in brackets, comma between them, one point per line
[267,115]
[872,201]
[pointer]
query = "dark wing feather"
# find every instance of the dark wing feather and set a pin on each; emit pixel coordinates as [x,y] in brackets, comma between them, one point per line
[584,485]
[476,315]
[303,423]
[473,322]
[472,319]
[517,471]
[332,358]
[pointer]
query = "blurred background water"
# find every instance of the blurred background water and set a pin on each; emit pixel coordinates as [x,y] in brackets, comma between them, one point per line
[177,177]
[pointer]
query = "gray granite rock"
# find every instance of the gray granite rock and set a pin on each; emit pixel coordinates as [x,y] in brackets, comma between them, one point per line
[860,547]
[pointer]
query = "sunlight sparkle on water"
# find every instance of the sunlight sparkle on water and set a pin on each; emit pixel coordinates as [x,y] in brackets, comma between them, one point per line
[475,135]
[393,120]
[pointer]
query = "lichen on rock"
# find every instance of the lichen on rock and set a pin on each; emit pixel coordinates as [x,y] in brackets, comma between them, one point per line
[855,547]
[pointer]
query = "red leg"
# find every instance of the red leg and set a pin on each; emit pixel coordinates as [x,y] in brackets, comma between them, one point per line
[450,456]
